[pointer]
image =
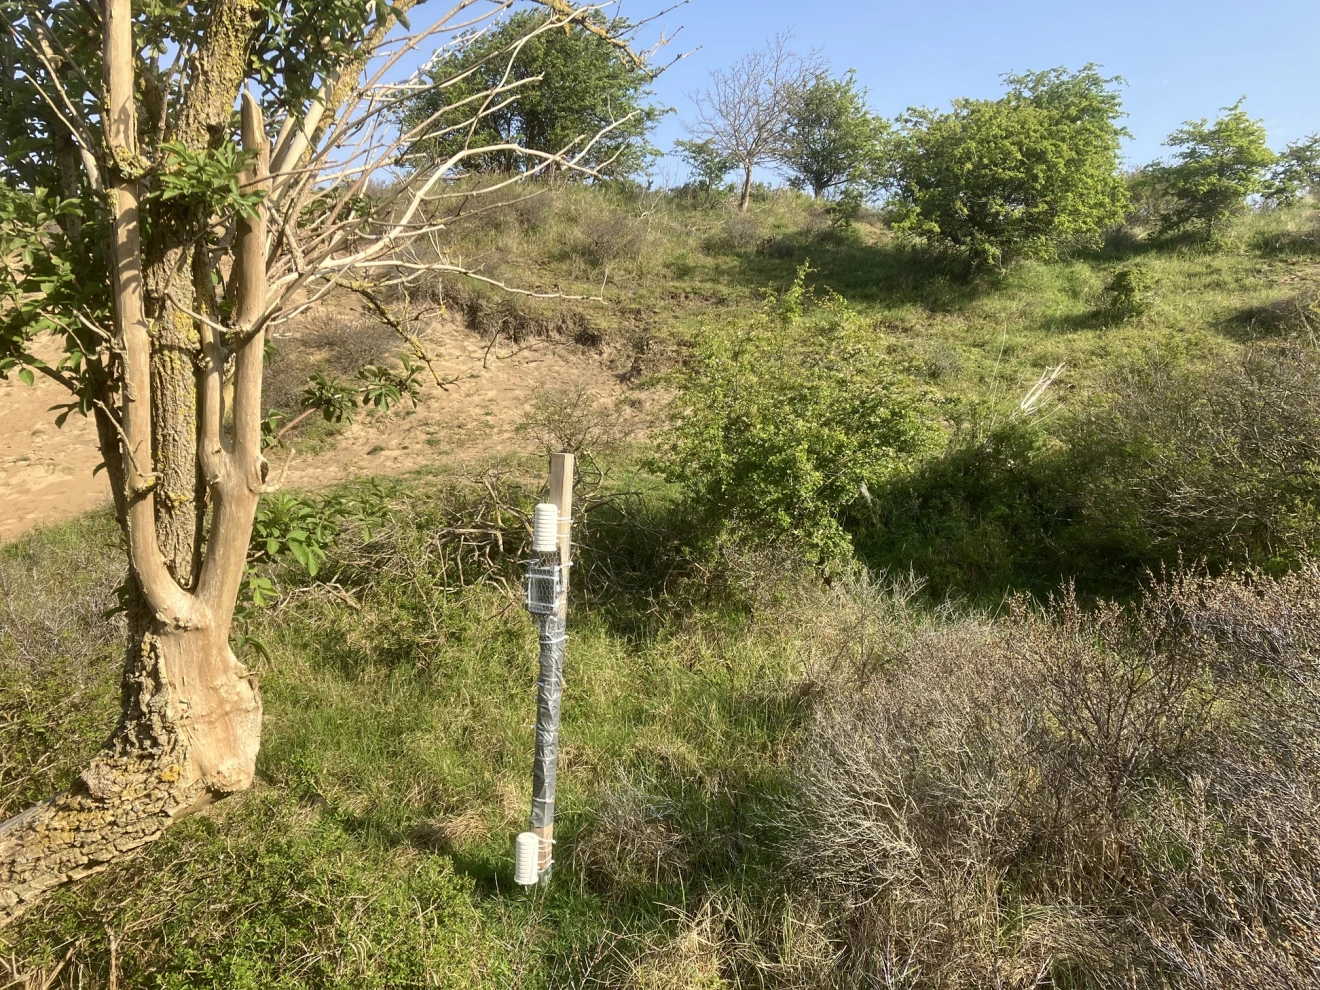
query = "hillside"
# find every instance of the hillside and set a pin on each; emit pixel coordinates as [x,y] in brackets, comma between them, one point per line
[774,773]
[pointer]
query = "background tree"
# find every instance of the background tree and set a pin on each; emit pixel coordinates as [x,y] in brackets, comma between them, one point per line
[559,87]
[743,111]
[1015,175]
[1296,174]
[831,138]
[707,166]
[158,240]
[1215,168]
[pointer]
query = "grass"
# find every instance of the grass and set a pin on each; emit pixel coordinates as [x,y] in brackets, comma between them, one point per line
[394,773]
[812,792]
[673,266]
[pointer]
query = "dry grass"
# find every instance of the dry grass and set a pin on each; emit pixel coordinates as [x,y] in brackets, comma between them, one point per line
[636,838]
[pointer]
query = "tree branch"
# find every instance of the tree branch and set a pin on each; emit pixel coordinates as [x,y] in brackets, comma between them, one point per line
[163,593]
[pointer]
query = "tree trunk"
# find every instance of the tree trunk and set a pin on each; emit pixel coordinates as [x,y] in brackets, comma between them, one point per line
[190,718]
[175,352]
[746,201]
[188,734]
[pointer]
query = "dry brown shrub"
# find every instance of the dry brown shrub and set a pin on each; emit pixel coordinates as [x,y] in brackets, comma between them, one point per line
[635,839]
[607,233]
[335,338]
[1220,463]
[576,418]
[738,232]
[1120,797]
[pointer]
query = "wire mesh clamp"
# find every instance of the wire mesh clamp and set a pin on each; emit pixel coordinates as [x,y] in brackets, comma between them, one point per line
[544,588]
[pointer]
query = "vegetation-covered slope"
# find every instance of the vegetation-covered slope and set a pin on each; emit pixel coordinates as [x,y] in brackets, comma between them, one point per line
[767,779]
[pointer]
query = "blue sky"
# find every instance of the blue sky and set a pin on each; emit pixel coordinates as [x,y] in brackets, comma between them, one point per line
[1183,59]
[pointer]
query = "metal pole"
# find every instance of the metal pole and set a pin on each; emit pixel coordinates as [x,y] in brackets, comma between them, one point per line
[550,682]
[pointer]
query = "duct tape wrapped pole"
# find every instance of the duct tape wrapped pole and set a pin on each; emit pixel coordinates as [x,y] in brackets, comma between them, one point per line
[547,600]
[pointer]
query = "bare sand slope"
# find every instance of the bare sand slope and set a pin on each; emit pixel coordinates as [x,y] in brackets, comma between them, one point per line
[476,417]
[46,473]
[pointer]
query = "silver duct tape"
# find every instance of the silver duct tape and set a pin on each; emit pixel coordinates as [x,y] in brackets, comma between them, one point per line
[549,694]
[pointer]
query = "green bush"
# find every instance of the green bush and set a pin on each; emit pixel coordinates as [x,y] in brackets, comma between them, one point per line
[1215,464]
[783,427]
[1215,168]
[1017,175]
[1128,291]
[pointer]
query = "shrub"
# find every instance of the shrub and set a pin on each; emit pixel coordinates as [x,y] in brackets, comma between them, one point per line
[606,232]
[1128,291]
[1296,174]
[1222,463]
[1216,167]
[846,209]
[738,232]
[1216,463]
[990,512]
[784,426]
[575,419]
[1122,797]
[1014,175]
[707,165]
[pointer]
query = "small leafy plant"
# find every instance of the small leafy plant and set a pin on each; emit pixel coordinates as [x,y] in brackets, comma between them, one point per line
[336,399]
[1129,291]
[293,534]
[382,388]
[207,178]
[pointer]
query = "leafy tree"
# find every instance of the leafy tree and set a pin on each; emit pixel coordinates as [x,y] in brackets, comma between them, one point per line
[157,234]
[708,166]
[590,99]
[1148,197]
[1015,175]
[1215,168]
[831,139]
[743,111]
[786,426]
[1296,174]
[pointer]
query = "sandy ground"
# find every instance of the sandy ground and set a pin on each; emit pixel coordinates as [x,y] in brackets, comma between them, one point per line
[46,473]
[476,417]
